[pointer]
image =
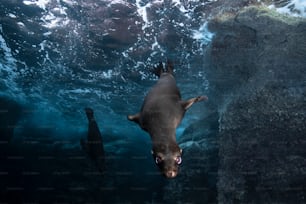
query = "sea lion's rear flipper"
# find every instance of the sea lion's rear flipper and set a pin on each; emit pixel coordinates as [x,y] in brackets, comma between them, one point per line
[158,70]
[134,118]
[187,104]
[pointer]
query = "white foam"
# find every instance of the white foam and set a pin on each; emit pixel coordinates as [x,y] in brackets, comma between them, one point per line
[294,8]
[203,34]
[40,3]
[108,74]
[7,51]
[142,11]
[21,24]
[181,7]
[52,17]
[52,21]
[69,2]
[60,10]
[12,15]
[42,45]
[78,91]
[155,44]
[189,7]
[143,75]
[96,76]
[124,2]
[7,67]
[47,33]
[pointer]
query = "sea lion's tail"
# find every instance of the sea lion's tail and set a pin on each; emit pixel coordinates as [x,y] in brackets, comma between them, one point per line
[89,113]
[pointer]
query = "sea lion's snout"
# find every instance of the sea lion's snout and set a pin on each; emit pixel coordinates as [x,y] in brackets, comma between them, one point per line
[170,174]
[170,167]
[168,163]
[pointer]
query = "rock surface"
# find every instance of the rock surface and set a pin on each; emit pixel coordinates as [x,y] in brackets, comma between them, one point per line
[257,67]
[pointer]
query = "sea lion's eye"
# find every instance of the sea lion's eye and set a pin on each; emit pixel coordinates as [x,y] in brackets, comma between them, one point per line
[178,159]
[158,159]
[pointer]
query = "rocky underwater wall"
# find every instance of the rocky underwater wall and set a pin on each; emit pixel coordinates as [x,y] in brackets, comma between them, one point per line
[257,75]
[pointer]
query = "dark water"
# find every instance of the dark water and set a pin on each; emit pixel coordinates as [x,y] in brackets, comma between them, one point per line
[58,57]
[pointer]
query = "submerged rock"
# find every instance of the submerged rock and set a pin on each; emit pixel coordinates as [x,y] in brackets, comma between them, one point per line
[258,80]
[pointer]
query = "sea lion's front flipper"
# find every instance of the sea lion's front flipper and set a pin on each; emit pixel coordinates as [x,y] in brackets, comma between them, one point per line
[134,118]
[187,104]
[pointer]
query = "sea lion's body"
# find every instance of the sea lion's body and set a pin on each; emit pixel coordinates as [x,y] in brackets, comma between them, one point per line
[161,113]
[93,145]
[162,108]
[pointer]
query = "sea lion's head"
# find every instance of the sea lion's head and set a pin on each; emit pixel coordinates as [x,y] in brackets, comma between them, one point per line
[167,158]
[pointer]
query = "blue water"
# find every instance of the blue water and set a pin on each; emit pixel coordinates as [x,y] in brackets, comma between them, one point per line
[58,57]
[61,56]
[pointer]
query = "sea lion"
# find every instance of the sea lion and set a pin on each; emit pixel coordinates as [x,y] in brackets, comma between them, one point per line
[93,146]
[161,113]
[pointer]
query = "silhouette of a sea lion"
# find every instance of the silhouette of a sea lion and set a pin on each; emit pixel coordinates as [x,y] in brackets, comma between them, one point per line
[93,145]
[161,113]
